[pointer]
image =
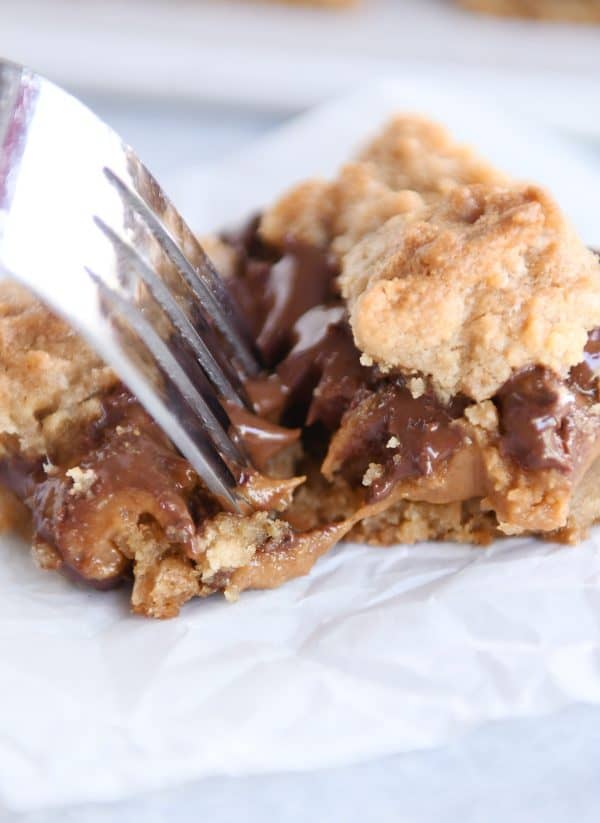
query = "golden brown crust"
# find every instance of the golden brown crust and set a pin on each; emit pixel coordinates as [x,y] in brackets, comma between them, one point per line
[50,380]
[415,522]
[473,287]
[412,152]
[448,268]
[338,214]
[411,162]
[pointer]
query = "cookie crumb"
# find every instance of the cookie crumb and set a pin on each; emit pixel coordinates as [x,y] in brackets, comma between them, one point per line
[374,472]
[45,556]
[83,480]
[484,415]
[416,386]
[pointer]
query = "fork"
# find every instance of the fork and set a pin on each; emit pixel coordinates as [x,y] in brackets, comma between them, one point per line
[86,227]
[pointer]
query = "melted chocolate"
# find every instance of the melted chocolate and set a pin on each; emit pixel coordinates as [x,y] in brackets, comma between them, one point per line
[584,377]
[535,409]
[302,329]
[247,243]
[406,437]
[20,474]
[134,468]
[276,288]
[289,300]
[263,440]
[267,394]
[300,280]
[423,427]
[322,373]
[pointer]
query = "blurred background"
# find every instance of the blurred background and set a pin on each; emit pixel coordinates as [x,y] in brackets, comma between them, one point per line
[188,81]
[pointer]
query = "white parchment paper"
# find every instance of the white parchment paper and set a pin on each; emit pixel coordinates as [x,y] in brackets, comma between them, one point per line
[376,651]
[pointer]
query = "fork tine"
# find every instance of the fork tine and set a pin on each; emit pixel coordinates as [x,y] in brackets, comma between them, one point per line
[210,450]
[149,202]
[139,229]
[146,321]
[228,386]
[107,252]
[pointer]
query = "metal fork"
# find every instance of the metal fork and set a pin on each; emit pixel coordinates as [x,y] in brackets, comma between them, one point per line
[87,228]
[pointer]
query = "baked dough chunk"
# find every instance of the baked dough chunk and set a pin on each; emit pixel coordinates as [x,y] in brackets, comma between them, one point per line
[472,287]
[411,162]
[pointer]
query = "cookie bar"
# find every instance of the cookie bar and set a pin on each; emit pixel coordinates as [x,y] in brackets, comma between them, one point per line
[430,333]
[467,323]
[107,497]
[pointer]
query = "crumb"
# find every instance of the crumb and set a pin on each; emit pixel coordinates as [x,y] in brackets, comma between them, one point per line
[83,480]
[374,472]
[230,541]
[45,556]
[484,415]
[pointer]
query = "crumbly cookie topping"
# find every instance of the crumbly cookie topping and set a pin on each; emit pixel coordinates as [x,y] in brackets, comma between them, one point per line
[473,287]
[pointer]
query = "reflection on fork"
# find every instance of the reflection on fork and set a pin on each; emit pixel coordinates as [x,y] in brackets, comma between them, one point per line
[86,227]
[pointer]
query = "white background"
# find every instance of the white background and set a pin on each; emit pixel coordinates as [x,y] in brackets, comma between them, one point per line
[519,770]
